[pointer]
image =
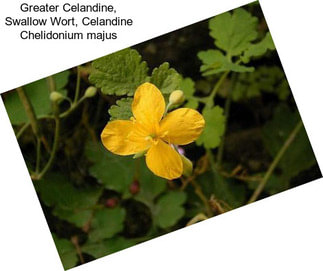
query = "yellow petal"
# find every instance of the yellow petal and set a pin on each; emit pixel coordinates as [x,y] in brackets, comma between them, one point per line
[123,138]
[182,126]
[164,161]
[148,106]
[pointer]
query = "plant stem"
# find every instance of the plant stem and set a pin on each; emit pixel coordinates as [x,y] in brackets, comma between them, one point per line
[22,129]
[33,122]
[275,162]
[54,149]
[197,218]
[29,111]
[212,161]
[75,242]
[72,108]
[201,195]
[38,155]
[210,99]
[78,84]
[62,115]
[51,83]
[227,106]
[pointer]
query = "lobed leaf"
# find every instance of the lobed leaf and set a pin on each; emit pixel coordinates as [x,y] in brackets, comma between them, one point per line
[214,127]
[72,204]
[151,186]
[122,109]
[106,223]
[215,62]
[165,78]
[169,210]
[187,85]
[234,32]
[119,73]
[113,171]
[259,48]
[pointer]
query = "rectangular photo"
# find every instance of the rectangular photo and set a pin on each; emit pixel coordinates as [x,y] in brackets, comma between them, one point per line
[162,135]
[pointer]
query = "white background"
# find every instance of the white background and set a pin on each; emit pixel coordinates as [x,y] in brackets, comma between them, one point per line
[283,232]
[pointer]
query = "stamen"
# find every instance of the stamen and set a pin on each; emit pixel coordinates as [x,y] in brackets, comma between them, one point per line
[164,134]
[152,139]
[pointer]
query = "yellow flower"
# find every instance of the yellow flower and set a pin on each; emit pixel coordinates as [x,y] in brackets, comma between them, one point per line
[151,132]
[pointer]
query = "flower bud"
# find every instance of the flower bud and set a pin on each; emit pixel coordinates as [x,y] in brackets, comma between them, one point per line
[176,97]
[56,97]
[187,166]
[139,154]
[90,92]
[111,202]
[134,187]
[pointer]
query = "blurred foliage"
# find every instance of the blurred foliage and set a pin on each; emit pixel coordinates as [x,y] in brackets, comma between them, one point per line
[97,203]
[38,93]
[264,79]
[66,252]
[114,173]
[68,202]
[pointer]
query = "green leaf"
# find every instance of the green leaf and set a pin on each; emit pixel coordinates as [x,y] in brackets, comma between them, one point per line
[225,189]
[66,251]
[119,73]
[215,62]
[169,210]
[299,156]
[233,32]
[165,78]
[263,79]
[122,110]
[274,185]
[107,246]
[72,204]
[214,127]
[259,48]
[151,186]
[187,85]
[106,223]
[38,94]
[113,171]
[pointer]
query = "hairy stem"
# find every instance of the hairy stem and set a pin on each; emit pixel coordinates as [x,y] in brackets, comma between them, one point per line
[275,162]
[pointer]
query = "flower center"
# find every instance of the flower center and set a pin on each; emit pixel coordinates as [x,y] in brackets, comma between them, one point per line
[153,138]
